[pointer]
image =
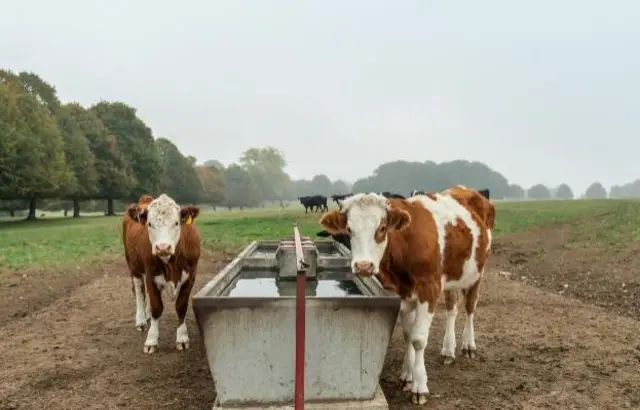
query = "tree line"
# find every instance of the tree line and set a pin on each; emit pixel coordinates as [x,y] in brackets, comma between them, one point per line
[56,155]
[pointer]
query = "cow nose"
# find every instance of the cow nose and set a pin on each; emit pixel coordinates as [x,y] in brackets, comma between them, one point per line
[163,249]
[364,268]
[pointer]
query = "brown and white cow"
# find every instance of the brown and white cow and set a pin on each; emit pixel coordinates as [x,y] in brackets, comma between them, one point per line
[422,246]
[162,247]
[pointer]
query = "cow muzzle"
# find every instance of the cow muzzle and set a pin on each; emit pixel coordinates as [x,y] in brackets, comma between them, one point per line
[363,268]
[163,251]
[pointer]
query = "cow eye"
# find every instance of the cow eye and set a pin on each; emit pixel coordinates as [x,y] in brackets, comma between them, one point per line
[349,232]
[176,223]
[149,225]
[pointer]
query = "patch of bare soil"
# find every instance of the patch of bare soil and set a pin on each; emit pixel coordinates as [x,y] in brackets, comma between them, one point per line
[537,350]
[552,259]
[25,291]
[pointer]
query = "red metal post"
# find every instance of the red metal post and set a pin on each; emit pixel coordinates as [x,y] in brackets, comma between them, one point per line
[300,321]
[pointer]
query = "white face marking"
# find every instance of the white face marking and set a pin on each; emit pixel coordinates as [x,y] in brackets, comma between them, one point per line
[163,223]
[364,213]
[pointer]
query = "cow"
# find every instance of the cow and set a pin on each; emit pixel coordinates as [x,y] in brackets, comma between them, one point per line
[422,246]
[162,248]
[319,202]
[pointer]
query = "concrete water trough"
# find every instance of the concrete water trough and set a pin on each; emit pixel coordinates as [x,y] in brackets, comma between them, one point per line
[246,316]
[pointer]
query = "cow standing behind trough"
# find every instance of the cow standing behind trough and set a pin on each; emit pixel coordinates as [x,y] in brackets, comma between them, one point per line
[422,246]
[162,248]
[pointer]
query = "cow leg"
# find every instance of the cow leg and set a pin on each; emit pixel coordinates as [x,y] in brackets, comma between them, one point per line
[156,307]
[141,316]
[468,334]
[448,351]
[425,310]
[182,305]
[407,319]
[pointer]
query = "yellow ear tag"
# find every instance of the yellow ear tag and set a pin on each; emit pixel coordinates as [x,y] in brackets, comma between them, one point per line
[189,220]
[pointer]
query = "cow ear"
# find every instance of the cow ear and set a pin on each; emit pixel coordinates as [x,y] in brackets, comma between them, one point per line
[398,218]
[188,214]
[334,222]
[137,214]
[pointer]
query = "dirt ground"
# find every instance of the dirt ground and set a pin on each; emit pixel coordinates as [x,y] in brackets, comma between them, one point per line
[67,339]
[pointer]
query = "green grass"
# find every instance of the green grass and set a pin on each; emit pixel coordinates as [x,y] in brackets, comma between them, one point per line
[65,241]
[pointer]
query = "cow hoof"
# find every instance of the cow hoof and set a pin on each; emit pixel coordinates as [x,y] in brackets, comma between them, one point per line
[419,398]
[448,360]
[469,352]
[141,326]
[150,349]
[406,385]
[182,345]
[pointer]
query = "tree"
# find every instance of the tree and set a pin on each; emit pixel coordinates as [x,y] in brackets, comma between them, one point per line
[595,191]
[214,163]
[266,166]
[405,176]
[242,190]
[213,184]
[340,187]
[31,146]
[115,177]
[538,191]
[81,160]
[321,184]
[564,192]
[515,192]
[179,179]
[136,143]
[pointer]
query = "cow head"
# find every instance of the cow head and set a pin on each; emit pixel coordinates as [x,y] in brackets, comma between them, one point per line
[164,219]
[367,219]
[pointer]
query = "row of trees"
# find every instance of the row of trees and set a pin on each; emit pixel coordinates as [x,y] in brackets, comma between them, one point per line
[64,155]
[49,149]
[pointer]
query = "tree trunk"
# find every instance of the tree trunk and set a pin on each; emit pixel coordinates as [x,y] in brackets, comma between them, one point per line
[32,210]
[110,207]
[66,209]
[76,208]
[12,213]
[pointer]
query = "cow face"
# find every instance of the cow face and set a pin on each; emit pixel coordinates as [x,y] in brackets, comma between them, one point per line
[367,219]
[164,219]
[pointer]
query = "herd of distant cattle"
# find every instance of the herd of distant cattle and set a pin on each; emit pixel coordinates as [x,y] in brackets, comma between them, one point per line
[420,247]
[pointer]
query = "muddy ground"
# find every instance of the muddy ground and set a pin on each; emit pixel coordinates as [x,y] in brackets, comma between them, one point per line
[67,338]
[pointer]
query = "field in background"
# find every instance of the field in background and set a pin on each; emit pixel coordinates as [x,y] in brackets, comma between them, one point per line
[59,241]
[556,325]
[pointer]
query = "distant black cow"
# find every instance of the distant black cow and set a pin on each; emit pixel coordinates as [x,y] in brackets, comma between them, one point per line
[340,238]
[338,198]
[484,193]
[317,202]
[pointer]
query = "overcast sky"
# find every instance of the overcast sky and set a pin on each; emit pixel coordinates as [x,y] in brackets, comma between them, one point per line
[542,91]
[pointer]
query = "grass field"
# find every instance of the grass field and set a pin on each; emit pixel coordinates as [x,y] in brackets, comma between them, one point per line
[556,324]
[60,241]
